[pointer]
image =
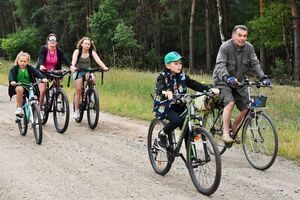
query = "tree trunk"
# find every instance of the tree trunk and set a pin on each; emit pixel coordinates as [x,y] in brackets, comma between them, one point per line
[181,28]
[296,23]
[262,47]
[288,55]
[191,36]
[220,21]
[208,40]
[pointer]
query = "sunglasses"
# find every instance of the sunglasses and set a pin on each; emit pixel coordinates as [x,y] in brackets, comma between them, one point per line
[52,40]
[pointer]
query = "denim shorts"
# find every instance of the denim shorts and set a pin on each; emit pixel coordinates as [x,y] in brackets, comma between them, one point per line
[80,74]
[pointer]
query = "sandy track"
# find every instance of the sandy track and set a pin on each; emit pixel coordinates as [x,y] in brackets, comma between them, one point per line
[111,162]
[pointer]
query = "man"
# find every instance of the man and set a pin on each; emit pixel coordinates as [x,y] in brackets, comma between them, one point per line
[235,59]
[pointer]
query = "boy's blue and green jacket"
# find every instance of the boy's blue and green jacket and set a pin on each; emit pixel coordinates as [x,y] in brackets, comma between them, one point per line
[177,84]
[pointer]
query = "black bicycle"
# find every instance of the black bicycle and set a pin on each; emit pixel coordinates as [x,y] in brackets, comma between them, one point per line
[89,99]
[56,100]
[30,113]
[259,135]
[204,166]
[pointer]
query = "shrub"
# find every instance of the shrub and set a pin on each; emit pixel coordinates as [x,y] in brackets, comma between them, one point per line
[27,40]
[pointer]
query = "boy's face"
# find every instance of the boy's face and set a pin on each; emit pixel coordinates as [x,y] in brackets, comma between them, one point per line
[23,61]
[175,67]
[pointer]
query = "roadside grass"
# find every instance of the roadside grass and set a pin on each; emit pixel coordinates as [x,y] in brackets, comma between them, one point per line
[126,92]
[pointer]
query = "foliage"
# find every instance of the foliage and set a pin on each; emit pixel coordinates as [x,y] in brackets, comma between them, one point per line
[279,69]
[268,30]
[22,40]
[103,24]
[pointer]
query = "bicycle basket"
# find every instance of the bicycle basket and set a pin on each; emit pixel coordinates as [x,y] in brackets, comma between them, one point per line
[204,103]
[258,101]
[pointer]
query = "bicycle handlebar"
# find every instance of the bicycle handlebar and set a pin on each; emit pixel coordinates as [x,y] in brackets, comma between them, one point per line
[59,74]
[258,84]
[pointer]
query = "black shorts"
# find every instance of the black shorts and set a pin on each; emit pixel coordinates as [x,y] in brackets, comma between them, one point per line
[239,96]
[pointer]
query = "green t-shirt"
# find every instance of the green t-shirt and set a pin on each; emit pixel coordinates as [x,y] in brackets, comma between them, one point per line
[23,76]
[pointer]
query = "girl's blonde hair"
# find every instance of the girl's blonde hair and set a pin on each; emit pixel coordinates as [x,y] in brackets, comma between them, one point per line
[22,54]
[78,46]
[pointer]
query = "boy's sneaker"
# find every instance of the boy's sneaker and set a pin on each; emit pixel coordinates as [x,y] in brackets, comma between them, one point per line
[162,139]
[227,139]
[18,111]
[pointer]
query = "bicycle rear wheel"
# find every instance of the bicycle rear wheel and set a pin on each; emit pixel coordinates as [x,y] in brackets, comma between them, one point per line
[212,121]
[204,167]
[47,107]
[260,141]
[37,124]
[22,122]
[61,111]
[92,108]
[158,156]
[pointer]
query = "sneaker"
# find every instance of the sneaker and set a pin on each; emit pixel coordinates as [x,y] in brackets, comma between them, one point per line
[76,115]
[162,139]
[18,111]
[227,139]
[42,114]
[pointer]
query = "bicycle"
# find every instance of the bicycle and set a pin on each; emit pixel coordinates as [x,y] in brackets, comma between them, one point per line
[89,99]
[204,167]
[56,100]
[30,113]
[259,135]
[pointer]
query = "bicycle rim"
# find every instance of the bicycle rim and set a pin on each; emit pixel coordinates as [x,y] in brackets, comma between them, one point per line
[212,121]
[157,155]
[204,166]
[22,123]
[260,142]
[92,108]
[61,111]
[37,124]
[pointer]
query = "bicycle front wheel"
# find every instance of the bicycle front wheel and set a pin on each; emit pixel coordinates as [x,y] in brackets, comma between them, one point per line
[92,108]
[212,121]
[260,141]
[37,124]
[158,156]
[204,166]
[61,111]
[22,122]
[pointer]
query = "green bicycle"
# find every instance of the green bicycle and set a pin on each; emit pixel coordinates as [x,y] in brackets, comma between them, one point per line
[204,166]
[30,114]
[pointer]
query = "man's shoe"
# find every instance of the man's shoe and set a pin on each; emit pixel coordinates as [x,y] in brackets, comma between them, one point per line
[162,139]
[227,139]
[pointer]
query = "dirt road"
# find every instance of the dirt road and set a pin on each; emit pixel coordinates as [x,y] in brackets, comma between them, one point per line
[111,162]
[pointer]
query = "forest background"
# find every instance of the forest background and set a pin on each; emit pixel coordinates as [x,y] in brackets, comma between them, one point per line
[138,33]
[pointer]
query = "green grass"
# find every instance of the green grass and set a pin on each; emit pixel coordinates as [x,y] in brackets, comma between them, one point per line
[127,93]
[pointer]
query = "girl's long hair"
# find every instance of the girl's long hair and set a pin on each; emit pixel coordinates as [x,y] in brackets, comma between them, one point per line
[78,46]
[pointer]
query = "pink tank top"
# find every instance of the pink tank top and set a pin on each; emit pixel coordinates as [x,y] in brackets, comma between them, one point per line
[51,60]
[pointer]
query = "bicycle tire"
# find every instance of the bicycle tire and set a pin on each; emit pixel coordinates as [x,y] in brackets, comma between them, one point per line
[92,107]
[22,122]
[47,107]
[215,129]
[37,124]
[158,157]
[260,147]
[204,167]
[81,108]
[61,111]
